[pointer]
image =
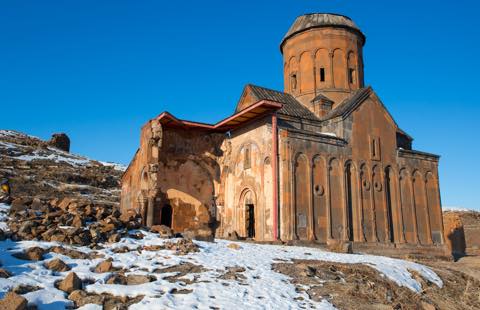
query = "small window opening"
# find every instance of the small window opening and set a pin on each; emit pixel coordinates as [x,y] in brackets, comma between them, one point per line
[375,151]
[247,161]
[351,76]
[322,74]
[293,81]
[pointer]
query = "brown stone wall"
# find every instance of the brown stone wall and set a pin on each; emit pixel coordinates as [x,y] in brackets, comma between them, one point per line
[357,186]
[462,232]
[247,180]
[335,50]
[177,168]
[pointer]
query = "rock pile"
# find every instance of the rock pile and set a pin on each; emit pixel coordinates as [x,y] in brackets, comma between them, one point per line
[72,221]
[42,169]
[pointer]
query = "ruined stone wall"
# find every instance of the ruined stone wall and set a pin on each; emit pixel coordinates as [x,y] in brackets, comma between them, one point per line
[247,180]
[174,168]
[134,186]
[462,232]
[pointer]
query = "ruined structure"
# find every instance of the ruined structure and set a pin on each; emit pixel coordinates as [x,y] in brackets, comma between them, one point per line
[323,161]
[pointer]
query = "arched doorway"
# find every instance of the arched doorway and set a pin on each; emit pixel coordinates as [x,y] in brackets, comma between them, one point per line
[247,207]
[166,216]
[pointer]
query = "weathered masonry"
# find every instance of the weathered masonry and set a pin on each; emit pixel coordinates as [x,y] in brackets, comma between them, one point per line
[323,161]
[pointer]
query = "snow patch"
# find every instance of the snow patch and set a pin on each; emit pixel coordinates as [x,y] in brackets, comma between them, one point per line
[262,288]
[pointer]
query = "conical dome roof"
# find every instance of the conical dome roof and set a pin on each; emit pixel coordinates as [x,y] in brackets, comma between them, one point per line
[320,20]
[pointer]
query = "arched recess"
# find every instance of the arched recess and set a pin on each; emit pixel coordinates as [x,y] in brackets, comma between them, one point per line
[322,64]
[247,214]
[143,195]
[352,70]
[380,210]
[267,221]
[434,210]
[302,196]
[368,217]
[286,76]
[337,210]
[306,72]
[390,203]
[421,211]
[293,75]
[409,218]
[189,189]
[339,69]
[320,213]
[351,201]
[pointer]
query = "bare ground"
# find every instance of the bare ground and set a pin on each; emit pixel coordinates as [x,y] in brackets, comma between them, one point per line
[355,286]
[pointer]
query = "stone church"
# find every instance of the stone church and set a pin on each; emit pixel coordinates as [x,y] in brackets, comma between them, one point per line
[323,161]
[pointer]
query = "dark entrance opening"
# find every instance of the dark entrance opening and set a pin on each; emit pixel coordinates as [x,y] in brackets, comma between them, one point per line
[166,216]
[250,220]
[388,193]
[348,182]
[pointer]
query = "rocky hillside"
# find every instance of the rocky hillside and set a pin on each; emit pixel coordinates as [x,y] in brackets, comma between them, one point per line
[40,169]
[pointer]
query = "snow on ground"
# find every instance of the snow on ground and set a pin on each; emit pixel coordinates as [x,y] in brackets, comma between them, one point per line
[263,288]
[458,209]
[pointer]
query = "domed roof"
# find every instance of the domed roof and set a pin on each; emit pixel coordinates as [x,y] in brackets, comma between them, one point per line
[319,20]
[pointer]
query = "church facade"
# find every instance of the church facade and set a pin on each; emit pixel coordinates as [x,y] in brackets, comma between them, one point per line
[323,161]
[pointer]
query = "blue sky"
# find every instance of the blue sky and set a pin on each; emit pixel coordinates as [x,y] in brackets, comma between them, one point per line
[98,70]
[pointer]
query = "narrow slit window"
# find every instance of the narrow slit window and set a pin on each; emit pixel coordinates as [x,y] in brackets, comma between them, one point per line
[322,74]
[247,162]
[375,148]
[351,76]
[293,81]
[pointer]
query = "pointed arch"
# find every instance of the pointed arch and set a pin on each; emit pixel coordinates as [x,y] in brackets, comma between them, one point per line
[337,210]
[302,196]
[339,69]
[434,208]
[368,217]
[319,184]
[421,209]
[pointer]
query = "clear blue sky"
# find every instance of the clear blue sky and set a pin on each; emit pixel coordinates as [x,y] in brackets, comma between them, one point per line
[98,70]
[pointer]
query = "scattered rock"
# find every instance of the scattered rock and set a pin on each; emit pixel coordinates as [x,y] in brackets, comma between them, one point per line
[33,253]
[105,266]
[57,265]
[117,279]
[234,246]
[182,246]
[71,283]
[4,273]
[162,230]
[133,279]
[24,289]
[202,234]
[60,141]
[13,301]
[109,302]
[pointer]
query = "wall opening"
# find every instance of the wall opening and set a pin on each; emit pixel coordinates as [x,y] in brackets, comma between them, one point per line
[293,82]
[348,199]
[322,74]
[247,164]
[388,193]
[166,216]
[351,76]
[250,220]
